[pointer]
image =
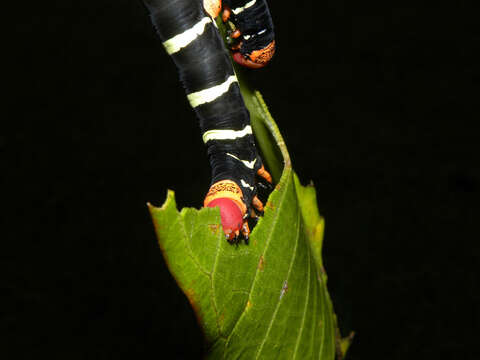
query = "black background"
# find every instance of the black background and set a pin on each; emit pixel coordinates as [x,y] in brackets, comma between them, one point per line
[377,102]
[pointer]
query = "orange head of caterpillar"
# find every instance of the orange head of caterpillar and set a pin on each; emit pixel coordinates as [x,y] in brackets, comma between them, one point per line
[257,58]
[227,195]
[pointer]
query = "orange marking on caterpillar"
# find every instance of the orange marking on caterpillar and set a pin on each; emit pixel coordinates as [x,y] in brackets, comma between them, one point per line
[257,58]
[235,34]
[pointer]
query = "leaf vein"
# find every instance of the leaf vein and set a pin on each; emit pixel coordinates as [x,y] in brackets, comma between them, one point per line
[306,304]
[191,251]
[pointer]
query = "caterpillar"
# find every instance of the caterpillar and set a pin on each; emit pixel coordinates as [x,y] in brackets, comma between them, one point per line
[190,36]
[252,37]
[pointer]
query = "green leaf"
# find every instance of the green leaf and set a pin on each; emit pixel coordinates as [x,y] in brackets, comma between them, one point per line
[268,299]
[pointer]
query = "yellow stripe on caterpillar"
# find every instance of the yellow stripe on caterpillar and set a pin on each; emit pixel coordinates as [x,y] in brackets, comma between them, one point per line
[211,94]
[247,5]
[226,134]
[248,164]
[182,40]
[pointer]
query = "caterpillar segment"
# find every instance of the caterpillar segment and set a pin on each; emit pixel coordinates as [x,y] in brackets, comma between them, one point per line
[251,34]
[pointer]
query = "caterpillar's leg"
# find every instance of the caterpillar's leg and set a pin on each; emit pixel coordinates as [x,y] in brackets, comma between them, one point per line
[226,13]
[192,40]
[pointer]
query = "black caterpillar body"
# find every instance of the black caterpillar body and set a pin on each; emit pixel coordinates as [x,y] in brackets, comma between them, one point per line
[191,38]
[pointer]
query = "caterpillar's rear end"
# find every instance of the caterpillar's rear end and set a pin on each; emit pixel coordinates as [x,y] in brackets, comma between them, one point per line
[190,36]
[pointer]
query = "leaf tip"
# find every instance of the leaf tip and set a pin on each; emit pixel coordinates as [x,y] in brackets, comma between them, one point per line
[343,344]
[169,199]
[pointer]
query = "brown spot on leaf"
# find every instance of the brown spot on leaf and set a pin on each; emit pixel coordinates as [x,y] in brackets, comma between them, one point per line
[322,269]
[221,318]
[261,263]
[190,293]
[249,305]
[317,231]
[214,228]
[270,205]
[278,187]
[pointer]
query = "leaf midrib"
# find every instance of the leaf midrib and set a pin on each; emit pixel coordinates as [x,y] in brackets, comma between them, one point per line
[307,299]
